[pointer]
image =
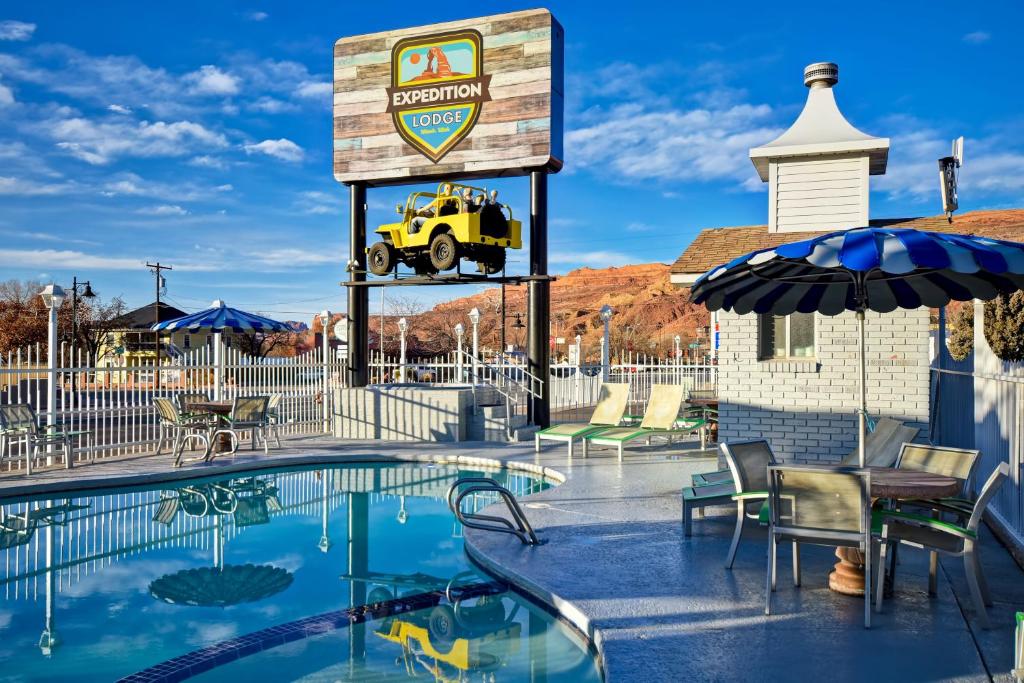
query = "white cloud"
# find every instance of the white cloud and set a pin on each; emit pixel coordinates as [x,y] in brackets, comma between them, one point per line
[44,237]
[256,15]
[314,89]
[31,188]
[639,227]
[992,166]
[66,258]
[6,96]
[163,210]
[319,203]
[207,161]
[977,37]
[632,143]
[289,256]
[282,148]
[209,80]
[119,109]
[101,142]
[132,185]
[593,259]
[16,30]
[271,105]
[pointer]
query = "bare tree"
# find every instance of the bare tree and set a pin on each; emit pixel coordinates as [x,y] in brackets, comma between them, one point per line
[264,344]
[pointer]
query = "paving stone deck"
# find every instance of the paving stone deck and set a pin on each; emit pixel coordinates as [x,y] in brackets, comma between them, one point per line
[661,607]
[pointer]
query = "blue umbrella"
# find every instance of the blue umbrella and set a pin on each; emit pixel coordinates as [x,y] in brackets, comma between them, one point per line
[219,318]
[880,269]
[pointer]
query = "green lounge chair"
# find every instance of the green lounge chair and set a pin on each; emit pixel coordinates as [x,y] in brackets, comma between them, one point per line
[936,535]
[18,423]
[1018,659]
[660,419]
[610,406]
[696,498]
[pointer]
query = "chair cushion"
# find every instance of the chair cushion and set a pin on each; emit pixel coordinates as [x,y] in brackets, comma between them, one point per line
[572,430]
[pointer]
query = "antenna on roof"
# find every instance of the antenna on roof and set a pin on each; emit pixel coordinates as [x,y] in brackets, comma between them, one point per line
[949,174]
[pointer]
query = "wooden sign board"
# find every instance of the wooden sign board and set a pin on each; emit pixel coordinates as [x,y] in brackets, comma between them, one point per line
[463,99]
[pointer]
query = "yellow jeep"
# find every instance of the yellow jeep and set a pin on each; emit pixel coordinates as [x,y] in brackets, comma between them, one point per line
[439,228]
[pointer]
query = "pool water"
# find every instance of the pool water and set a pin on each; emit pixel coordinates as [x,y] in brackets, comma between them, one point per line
[351,573]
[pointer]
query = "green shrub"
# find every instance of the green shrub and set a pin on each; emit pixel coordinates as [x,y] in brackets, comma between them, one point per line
[1004,326]
[961,330]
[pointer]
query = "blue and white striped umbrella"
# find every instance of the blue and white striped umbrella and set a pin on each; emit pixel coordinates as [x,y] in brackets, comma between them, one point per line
[878,269]
[221,318]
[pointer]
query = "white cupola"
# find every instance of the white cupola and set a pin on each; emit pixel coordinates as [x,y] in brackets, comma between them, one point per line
[817,171]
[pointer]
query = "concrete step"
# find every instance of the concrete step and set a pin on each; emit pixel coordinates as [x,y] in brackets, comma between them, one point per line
[525,433]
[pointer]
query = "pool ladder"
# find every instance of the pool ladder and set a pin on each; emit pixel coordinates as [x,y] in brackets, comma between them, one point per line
[518,527]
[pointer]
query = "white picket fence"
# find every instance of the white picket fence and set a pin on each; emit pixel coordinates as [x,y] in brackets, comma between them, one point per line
[113,401]
[573,389]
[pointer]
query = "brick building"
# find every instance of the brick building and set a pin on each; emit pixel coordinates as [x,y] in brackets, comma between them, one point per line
[793,379]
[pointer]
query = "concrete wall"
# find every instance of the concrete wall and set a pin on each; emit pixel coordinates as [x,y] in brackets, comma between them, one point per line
[403,413]
[807,408]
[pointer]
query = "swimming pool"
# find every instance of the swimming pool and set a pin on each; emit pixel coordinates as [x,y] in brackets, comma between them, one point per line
[329,573]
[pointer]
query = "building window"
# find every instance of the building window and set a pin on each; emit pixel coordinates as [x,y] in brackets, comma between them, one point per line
[209,340]
[785,336]
[187,341]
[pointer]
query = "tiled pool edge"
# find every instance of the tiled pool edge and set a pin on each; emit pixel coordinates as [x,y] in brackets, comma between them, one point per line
[102,482]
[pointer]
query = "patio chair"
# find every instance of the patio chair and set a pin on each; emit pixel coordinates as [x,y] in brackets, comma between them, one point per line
[883,444]
[185,399]
[881,448]
[611,404]
[248,414]
[938,536]
[16,529]
[660,419]
[168,508]
[819,505]
[274,417]
[18,423]
[181,428]
[749,462]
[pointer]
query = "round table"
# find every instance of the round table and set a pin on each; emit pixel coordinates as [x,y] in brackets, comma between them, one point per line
[886,482]
[216,408]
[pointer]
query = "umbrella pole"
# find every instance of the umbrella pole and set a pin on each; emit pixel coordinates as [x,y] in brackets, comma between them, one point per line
[863,409]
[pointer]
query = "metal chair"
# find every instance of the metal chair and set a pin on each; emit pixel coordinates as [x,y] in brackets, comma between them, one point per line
[187,398]
[182,427]
[18,423]
[822,506]
[748,461]
[938,536]
[274,417]
[248,414]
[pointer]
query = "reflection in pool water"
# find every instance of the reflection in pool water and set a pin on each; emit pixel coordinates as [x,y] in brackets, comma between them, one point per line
[337,573]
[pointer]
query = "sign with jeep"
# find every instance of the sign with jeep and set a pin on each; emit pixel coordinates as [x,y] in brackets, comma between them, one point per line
[465,99]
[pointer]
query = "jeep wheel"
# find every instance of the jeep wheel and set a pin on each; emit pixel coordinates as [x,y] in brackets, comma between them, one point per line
[381,258]
[444,252]
[492,262]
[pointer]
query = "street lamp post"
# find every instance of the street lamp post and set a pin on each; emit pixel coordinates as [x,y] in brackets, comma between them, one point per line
[677,340]
[460,330]
[606,317]
[88,294]
[403,327]
[53,296]
[325,320]
[474,317]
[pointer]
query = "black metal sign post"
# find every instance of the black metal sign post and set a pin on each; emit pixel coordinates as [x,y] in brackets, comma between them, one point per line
[358,297]
[538,353]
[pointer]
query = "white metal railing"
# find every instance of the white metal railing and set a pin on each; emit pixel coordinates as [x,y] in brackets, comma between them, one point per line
[113,399]
[985,411]
[573,389]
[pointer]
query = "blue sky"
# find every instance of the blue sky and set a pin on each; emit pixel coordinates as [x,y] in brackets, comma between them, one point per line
[199,133]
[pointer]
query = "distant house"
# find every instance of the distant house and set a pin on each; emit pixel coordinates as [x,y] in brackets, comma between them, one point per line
[130,340]
[793,379]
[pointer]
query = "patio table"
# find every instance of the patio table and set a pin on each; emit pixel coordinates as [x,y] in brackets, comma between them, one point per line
[886,482]
[215,408]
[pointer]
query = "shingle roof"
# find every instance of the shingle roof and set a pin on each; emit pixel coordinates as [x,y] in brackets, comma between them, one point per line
[720,245]
[142,318]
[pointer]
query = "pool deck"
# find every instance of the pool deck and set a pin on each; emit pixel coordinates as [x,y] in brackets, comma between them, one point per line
[660,606]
